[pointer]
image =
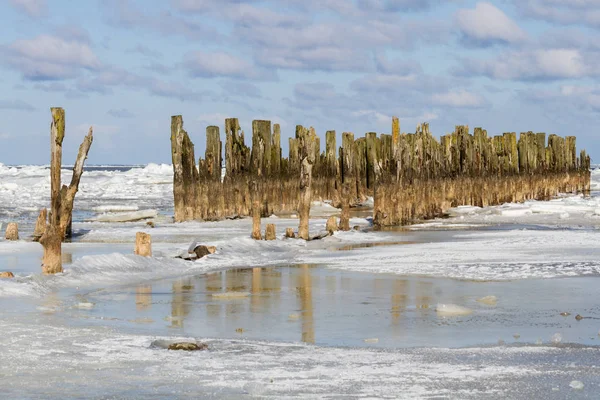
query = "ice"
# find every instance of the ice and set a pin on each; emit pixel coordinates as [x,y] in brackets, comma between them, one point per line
[115,207]
[127,216]
[488,300]
[320,208]
[577,385]
[538,241]
[452,310]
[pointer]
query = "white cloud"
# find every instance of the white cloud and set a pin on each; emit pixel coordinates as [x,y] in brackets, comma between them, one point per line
[47,57]
[220,63]
[459,99]
[541,64]
[487,24]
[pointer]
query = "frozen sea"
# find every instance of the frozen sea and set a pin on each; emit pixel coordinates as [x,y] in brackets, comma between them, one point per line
[481,304]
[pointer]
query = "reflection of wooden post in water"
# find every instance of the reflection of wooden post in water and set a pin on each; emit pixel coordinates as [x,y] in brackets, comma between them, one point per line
[255,299]
[180,305]
[399,300]
[305,287]
[143,297]
[423,296]
[213,284]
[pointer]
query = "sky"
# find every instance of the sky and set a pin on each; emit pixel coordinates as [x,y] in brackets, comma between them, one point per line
[126,66]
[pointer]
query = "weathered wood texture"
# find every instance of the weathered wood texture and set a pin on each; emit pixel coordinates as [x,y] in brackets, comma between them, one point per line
[57,227]
[143,244]
[51,240]
[411,176]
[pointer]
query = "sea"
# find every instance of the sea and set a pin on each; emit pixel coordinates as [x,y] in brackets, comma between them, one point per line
[487,303]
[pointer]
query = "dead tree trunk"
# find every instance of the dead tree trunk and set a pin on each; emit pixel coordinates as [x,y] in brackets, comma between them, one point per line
[52,238]
[62,198]
[67,194]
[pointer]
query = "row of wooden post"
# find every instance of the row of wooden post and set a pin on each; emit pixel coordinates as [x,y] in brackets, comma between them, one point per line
[411,176]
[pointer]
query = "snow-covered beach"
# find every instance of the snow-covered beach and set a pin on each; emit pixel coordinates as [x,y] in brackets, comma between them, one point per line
[354,315]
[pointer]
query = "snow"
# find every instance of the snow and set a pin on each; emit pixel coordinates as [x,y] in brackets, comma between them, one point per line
[55,329]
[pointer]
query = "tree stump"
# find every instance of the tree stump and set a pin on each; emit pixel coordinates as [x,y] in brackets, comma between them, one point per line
[12,231]
[7,274]
[270,232]
[143,244]
[289,233]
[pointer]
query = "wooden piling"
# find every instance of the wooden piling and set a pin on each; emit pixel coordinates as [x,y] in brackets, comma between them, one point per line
[40,225]
[12,231]
[185,174]
[143,244]
[270,233]
[256,233]
[307,144]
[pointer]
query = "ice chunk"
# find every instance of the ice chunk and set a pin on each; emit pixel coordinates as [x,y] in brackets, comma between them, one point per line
[451,310]
[556,338]
[127,216]
[115,207]
[321,208]
[577,385]
[489,300]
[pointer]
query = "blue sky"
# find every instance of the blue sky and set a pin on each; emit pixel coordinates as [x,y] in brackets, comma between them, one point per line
[126,66]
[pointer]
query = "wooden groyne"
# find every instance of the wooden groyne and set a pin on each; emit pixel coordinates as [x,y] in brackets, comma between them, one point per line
[411,176]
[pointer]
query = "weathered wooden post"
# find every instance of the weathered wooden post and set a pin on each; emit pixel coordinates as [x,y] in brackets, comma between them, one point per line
[143,244]
[307,144]
[270,232]
[12,231]
[185,174]
[348,178]
[256,234]
[40,225]
[52,238]
[289,233]
[331,225]
[213,153]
